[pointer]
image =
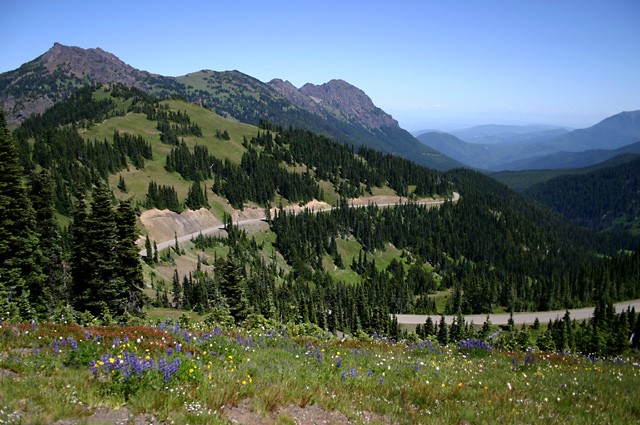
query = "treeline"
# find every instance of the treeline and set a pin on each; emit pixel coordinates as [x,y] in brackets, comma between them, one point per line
[352,175]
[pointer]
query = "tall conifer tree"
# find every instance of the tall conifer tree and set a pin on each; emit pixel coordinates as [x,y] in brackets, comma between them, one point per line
[129,263]
[20,257]
[42,197]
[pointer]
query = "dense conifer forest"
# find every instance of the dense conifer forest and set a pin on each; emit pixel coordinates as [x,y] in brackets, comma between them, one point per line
[601,199]
[491,250]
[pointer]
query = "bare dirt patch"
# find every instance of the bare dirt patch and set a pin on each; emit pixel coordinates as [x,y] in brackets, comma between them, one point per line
[104,415]
[163,225]
[308,415]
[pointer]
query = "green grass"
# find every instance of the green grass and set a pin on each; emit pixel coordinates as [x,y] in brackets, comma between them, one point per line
[376,382]
[137,181]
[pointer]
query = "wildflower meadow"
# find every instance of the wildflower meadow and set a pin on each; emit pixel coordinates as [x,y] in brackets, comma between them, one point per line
[199,373]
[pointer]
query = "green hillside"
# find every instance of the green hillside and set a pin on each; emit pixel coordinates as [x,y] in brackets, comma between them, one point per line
[603,199]
[346,270]
[521,180]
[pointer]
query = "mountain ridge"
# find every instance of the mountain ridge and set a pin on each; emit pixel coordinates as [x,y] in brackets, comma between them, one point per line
[614,132]
[340,110]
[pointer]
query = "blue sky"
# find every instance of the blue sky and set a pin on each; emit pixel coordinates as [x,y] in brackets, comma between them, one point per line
[431,64]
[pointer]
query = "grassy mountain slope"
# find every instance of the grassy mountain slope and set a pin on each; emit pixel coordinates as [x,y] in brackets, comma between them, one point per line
[58,73]
[490,237]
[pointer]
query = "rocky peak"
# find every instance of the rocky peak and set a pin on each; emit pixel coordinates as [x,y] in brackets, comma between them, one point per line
[94,64]
[337,98]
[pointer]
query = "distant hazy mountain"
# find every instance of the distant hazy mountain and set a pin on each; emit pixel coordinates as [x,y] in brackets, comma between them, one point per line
[474,155]
[419,132]
[614,132]
[566,160]
[335,109]
[509,134]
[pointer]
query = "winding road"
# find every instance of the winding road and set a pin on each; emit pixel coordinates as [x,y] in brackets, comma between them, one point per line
[210,230]
[518,318]
[413,319]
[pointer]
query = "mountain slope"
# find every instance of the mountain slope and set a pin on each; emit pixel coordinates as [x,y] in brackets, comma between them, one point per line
[474,155]
[606,198]
[521,180]
[565,160]
[509,134]
[350,117]
[614,132]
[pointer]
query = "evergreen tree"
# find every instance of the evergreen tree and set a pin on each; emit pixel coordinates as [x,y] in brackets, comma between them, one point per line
[232,285]
[21,273]
[147,247]
[42,197]
[155,253]
[122,185]
[428,327]
[128,256]
[443,333]
[95,269]
[486,329]
[176,290]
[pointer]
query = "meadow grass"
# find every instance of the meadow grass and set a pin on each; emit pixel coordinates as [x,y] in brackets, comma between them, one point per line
[194,373]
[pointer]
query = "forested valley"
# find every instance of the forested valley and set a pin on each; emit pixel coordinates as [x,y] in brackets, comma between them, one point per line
[69,249]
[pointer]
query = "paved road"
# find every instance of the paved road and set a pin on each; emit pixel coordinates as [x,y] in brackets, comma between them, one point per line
[519,318]
[210,230]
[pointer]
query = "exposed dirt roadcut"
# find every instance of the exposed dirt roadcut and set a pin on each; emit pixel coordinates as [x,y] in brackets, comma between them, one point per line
[164,225]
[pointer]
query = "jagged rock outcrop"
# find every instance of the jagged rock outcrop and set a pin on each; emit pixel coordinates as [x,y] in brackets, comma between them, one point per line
[336,98]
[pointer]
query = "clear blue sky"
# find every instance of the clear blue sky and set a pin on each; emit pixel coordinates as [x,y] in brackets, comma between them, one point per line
[431,64]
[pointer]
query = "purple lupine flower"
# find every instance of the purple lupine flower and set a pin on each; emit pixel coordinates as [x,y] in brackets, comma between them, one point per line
[369,373]
[339,362]
[416,367]
[55,346]
[381,381]
[352,372]
[344,375]
[169,351]
[437,373]
[33,324]
[87,335]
